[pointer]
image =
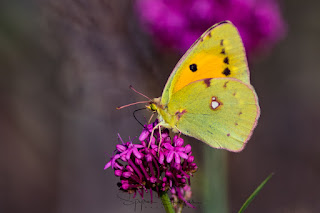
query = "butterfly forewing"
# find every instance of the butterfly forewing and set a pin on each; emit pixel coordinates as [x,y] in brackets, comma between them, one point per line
[218,53]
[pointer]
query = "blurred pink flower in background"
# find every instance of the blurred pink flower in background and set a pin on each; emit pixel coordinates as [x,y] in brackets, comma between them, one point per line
[178,23]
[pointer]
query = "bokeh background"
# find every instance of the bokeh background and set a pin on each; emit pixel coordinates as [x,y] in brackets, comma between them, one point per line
[66,65]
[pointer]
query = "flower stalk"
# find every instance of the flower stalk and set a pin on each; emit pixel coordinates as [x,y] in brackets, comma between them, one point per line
[166,202]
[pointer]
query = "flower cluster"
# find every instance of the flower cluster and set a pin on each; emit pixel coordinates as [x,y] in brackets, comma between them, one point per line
[157,163]
[178,23]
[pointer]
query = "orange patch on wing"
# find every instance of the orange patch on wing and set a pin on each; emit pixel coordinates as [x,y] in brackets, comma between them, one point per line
[208,66]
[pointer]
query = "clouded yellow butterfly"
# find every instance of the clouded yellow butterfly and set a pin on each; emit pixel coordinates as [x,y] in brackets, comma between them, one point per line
[208,95]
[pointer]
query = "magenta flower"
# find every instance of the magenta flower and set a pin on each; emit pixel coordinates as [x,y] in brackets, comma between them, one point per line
[143,168]
[178,23]
[176,151]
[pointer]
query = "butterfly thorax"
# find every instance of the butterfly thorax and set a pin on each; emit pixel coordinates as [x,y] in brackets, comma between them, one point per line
[165,118]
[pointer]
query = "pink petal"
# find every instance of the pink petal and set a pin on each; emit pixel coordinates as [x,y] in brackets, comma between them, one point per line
[153,140]
[150,127]
[128,155]
[118,173]
[161,158]
[153,179]
[177,158]
[126,174]
[190,159]
[121,148]
[107,165]
[129,168]
[123,157]
[144,134]
[187,148]
[137,153]
[148,157]
[180,149]
[170,156]
[138,161]
[179,142]
[164,136]
[183,155]
[125,186]
[117,166]
[168,146]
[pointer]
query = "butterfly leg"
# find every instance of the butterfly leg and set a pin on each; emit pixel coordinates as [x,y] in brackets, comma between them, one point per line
[151,117]
[151,136]
[154,128]
[160,139]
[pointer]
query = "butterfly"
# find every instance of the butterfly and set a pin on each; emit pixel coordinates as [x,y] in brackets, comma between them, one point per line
[208,95]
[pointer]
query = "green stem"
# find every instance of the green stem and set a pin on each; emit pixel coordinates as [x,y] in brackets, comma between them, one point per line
[215,181]
[166,202]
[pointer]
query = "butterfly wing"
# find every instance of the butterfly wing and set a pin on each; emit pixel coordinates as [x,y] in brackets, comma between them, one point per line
[218,53]
[221,112]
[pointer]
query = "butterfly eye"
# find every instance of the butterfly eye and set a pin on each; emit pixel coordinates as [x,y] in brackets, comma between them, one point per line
[152,107]
[193,67]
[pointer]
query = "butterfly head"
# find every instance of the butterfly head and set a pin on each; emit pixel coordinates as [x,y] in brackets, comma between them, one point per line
[155,105]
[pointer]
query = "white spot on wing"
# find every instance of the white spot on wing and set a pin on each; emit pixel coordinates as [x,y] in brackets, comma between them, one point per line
[214,103]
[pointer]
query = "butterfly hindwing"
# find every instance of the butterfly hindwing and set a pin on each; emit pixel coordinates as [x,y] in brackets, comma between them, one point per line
[221,112]
[218,53]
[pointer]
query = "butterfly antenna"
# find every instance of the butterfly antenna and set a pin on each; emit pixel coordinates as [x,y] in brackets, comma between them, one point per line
[139,102]
[131,87]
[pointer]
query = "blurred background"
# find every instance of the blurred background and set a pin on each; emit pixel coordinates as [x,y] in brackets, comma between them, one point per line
[66,65]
